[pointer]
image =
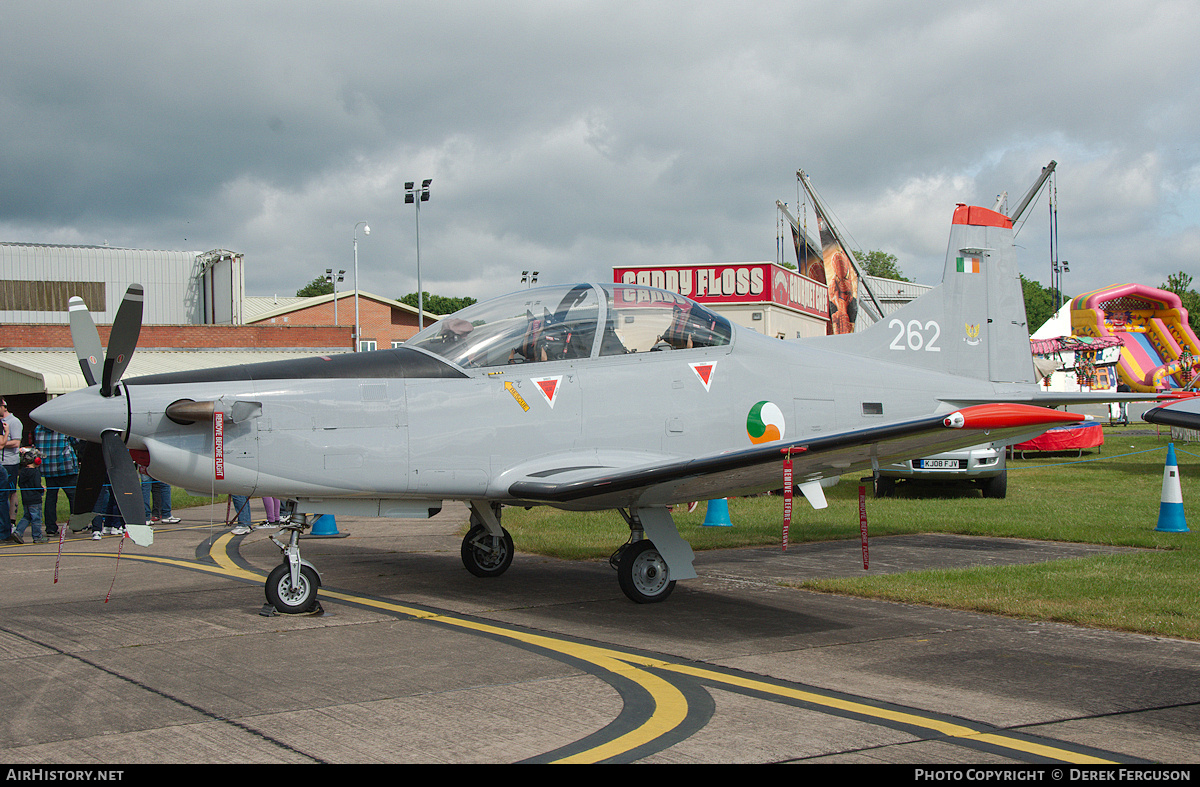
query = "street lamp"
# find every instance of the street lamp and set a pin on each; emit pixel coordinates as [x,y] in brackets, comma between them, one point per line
[329,277]
[415,196]
[527,279]
[366,231]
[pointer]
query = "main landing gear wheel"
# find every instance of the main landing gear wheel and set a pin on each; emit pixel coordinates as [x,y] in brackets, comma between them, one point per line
[485,555]
[643,574]
[293,601]
[885,487]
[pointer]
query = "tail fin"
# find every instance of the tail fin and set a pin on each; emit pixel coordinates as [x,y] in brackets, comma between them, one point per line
[973,324]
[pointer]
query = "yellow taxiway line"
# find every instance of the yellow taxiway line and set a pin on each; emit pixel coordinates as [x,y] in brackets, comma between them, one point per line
[670,705]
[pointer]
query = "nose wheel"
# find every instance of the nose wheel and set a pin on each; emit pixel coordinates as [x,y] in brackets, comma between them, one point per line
[292,599]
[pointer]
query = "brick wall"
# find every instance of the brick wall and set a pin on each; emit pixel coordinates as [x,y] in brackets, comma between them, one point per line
[380,322]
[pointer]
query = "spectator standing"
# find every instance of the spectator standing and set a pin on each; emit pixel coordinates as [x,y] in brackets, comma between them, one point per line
[107,520]
[10,443]
[271,504]
[146,481]
[241,507]
[160,494]
[30,479]
[60,469]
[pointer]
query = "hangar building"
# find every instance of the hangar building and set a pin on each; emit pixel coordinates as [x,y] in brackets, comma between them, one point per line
[192,317]
[182,287]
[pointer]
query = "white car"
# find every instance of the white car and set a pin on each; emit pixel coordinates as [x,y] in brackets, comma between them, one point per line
[983,464]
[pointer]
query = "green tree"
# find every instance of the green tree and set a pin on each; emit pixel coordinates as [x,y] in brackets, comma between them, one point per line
[438,304]
[1181,284]
[1039,303]
[317,286]
[880,263]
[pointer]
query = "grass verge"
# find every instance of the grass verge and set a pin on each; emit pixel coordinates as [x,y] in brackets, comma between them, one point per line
[1110,496]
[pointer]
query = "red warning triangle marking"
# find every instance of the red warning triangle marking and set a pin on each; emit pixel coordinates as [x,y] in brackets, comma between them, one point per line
[548,386]
[705,372]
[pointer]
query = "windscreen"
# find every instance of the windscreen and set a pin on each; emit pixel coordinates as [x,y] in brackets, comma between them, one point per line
[531,326]
[641,319]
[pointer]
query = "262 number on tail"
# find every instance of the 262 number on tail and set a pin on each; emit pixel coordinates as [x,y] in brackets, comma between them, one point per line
[915,336]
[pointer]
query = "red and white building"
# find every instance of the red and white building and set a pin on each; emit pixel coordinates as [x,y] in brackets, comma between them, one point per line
[763,296]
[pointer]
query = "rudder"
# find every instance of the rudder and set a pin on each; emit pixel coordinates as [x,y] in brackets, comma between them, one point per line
[973,324]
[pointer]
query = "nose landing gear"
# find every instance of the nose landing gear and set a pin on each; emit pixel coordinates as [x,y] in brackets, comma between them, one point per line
[292,586]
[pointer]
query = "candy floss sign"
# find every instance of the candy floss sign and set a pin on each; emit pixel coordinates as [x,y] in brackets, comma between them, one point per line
[745,283]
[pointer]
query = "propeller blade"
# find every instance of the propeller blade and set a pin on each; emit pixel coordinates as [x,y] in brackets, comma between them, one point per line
[123,338]
[86,340]
[126,485]
[87,486]
[125,482]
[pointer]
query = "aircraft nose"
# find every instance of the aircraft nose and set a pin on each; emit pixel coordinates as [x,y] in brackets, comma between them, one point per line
[84,414]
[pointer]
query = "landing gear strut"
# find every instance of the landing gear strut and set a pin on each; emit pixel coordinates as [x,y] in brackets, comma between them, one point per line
[292,586]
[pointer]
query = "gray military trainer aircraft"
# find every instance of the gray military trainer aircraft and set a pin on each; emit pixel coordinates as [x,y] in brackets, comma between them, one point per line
[585,397]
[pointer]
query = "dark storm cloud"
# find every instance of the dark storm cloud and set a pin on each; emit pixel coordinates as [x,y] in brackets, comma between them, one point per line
[571,136]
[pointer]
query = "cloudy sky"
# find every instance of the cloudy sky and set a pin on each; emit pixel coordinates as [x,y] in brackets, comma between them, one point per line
[570,136]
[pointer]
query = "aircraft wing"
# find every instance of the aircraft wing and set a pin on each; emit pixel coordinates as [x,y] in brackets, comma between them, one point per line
[1061,398]
[581,482]
[1184,413]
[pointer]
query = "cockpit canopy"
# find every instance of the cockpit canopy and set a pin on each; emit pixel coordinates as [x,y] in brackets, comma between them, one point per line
[560,323]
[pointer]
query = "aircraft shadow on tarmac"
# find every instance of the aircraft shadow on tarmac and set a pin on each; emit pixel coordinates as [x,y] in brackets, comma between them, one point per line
[562,590]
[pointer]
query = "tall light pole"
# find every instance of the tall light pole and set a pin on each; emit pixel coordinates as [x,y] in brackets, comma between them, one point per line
[415,196]
[1056,271]
[366,231]
[329,277]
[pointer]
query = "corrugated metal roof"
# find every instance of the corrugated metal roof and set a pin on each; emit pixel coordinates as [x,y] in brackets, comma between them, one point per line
[895,289]
[254,307]
[892,293]
[87,246]
[56,373]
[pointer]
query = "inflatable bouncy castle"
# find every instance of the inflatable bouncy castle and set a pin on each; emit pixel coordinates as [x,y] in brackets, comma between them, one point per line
[1159,349]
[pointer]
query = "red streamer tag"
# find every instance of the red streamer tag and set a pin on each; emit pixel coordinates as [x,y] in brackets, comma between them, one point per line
[862,521]
[62,534]
[787,499]
[120,547]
